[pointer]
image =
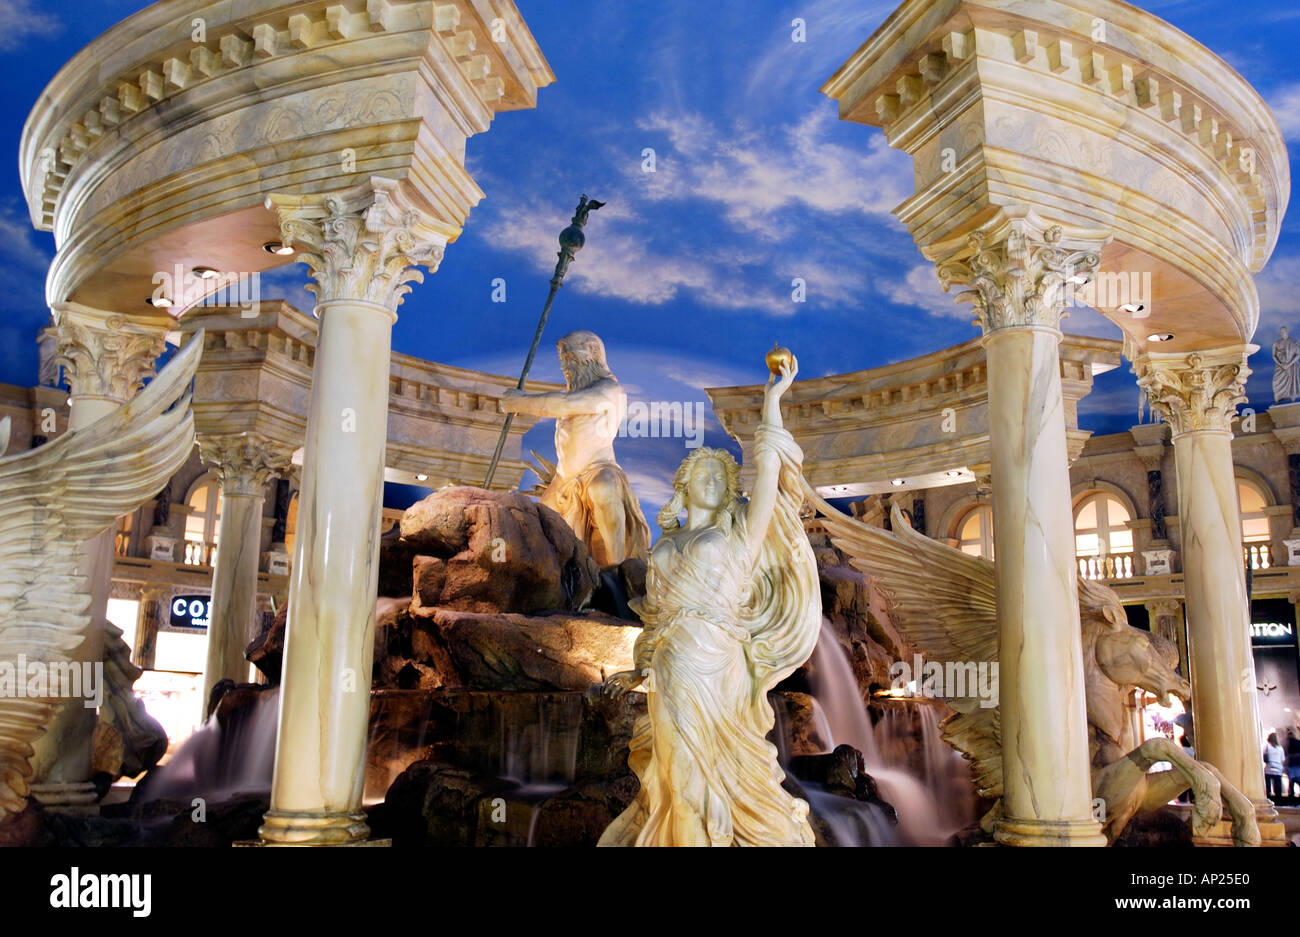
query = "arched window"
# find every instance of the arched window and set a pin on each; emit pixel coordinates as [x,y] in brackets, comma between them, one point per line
[201,524]
[975,536]
[1254,525]
[291,524]
[1103,541]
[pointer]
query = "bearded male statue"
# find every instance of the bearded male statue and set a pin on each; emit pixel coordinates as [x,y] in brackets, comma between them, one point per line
[587,488]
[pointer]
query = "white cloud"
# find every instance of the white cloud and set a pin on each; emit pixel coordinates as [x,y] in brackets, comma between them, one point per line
[1285,105]
[755,174]
[621,264]
[18,21]
[920,288]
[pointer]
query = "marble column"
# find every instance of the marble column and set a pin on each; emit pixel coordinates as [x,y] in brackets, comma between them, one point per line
[244,464]
[105,359]
[1166,619]
[1016,274]
[1198,395]
[362,246]
[148,619]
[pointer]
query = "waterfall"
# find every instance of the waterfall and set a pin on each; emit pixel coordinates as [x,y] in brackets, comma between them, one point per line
[930,807]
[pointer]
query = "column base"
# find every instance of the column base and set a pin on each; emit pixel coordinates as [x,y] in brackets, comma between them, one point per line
[1029,832]
[66,796]
[1272,832]
[313,828]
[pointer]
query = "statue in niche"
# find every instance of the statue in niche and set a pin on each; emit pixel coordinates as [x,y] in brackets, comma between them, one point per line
[1286,368]
[944,602]
[586,486]
[732,607]
[162,508]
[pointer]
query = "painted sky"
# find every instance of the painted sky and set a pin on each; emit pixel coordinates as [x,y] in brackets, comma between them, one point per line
[687,271]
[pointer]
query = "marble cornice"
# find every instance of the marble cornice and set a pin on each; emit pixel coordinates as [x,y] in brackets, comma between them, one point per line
[1146,65]
[955,377]
[1137,131]
[256,377]
[152,57]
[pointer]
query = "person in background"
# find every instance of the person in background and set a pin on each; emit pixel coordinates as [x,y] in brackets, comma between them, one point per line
[1274,758]
[1292,761]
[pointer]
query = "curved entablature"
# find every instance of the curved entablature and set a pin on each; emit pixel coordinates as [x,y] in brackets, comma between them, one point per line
[443,421]
[923,421]
[1095,116]
[159,142]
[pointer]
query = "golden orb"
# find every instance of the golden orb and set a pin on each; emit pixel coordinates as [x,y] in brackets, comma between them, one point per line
[777,357]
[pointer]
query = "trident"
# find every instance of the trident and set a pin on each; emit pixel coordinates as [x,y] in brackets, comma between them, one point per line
[571,241]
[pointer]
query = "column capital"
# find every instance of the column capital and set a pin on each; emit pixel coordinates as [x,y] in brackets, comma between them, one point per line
[1018,271]
[107,357]
[363,243]
[1196,391]
[244,462]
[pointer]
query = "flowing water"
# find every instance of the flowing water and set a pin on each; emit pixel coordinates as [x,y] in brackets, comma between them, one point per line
[217,761]
[930,807]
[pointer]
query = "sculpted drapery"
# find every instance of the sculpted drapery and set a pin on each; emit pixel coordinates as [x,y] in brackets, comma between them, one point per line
[732,608]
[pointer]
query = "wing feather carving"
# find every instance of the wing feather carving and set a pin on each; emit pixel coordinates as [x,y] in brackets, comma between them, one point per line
[52,499]
[944,603]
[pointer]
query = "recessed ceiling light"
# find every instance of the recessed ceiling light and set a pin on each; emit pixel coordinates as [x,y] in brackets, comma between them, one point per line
[1160,337]
[206,273]
[162,302]
[954,473]
[1080,279]
[421,478]
[1132,308]
[277,247]
[898,482]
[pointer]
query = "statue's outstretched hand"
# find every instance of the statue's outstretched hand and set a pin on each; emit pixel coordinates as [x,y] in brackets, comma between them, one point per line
[778,385]
[616,685]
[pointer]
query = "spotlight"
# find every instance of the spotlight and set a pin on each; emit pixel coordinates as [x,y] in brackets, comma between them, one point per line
[421,478]
[162,302]
[898,482]
[953,473]
[277,247]
[1132,308]
[206,273]
[1079,279]
[1160,337]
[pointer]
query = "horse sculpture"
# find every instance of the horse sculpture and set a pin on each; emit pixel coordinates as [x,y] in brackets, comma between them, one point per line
[943,602]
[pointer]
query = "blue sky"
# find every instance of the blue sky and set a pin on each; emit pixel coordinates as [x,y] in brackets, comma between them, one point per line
[687,271]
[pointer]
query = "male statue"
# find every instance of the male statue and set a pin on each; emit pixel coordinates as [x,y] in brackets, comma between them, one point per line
[1286,368]
[588,489]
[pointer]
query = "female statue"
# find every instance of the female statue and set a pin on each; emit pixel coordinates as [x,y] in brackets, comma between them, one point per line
[732,607]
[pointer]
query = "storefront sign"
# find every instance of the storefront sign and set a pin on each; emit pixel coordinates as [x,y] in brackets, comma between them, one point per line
[190,611]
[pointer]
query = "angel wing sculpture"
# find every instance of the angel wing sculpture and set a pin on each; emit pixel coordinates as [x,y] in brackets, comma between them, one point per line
[944,602]
[52,499]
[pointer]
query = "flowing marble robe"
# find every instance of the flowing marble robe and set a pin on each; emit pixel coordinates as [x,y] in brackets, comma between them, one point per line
[1286,370]
[719,634]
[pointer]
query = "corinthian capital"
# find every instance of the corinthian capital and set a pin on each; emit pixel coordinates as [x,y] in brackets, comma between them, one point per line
[105,356]
[244,462]
[1196,391]
[362,243]
[1015,277]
